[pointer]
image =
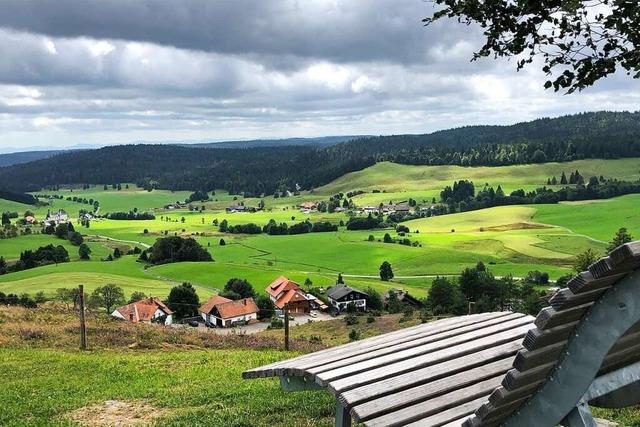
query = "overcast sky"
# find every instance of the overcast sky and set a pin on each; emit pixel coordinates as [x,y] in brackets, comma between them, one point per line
[103,72]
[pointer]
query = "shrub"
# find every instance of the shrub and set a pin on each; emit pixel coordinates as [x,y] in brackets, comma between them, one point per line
[354,335]
[276,323]
[350,319]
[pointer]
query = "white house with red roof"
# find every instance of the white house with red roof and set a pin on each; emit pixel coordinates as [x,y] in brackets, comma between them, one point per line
[148,310]
[224,312]
[284,291]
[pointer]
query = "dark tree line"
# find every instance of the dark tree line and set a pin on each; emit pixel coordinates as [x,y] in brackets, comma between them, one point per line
[44,255]
[131,215]
[462,197]
[19,197]
[175,249]
[275,170]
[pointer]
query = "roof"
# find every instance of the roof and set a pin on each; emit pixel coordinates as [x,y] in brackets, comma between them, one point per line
[143,310]
[228,308]
[340,290]
[280,285]
[291,295]
[308,205]
[212,302]
[237,308]
[402,295]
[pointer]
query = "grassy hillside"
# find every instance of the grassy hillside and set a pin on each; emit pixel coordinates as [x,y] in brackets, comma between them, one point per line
[418,182]
[509,239]
[135,374]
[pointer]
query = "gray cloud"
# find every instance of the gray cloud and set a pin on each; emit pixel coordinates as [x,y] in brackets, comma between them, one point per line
[340,31]
[117,71]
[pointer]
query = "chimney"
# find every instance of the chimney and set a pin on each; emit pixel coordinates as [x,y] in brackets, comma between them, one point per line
[244,301]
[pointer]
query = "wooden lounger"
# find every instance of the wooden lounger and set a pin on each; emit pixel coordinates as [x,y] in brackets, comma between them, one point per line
[493,368]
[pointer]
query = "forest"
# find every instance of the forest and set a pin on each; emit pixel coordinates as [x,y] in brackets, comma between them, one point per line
[276,170]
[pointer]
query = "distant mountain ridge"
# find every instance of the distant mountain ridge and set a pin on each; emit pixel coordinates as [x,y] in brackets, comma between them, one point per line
[274,169]
[9,159]
[19,157]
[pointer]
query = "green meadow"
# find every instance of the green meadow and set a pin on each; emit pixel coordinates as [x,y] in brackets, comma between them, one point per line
[511,240]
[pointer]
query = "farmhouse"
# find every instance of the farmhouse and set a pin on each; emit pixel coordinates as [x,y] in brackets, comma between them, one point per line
[369,209]
[148,310]
[341,295]
[29,219]
[225,313]
[59,217]
[403,296]
[284,291]
[402,208]
[308,206]
[236,208]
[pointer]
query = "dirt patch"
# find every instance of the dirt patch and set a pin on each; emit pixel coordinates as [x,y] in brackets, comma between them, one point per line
[515,226]
[116,413]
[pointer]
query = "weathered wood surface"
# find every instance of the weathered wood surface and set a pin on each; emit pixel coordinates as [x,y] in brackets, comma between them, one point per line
[543,346]
[471,370]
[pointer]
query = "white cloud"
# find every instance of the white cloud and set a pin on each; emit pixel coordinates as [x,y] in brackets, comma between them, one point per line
[120,71]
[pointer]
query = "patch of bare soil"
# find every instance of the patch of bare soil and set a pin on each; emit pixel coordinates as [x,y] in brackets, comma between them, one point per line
[116,413]
[515,226]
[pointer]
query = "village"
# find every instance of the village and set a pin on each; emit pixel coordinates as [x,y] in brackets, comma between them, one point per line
[290,302]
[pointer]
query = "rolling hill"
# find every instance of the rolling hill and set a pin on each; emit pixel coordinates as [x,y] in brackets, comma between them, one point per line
[266,170]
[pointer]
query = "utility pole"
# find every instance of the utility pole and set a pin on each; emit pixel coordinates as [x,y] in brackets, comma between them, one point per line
[83,325]
[286,327]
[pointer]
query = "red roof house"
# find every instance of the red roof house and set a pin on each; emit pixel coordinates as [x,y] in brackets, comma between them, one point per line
[148,310]
[284,291]
[224,312]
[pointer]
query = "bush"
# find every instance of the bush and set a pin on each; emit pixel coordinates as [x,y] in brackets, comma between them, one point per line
[176,249]
[351,319]
[370,319]
[407,315]
[354,335]
[276,323]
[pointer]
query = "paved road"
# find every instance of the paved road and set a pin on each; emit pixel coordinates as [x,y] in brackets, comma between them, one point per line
[259,326]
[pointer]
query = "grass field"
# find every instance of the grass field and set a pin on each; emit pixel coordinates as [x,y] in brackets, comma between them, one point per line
[136,373]
[510,240]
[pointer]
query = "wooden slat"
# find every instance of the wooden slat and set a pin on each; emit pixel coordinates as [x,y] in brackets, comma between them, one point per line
[526,359]
[430,373]
[537,338]
[405,366]
[585,282]
[335,353]
[440,410]
[424,392]
[445,417]
[620,358]
[564,298]
[515,379]
[602,268]
[456,423]
[336,360]
[501,396]
[502,402]
[448,349]
[468,331]
[497,416]
[550,318]
[627,255]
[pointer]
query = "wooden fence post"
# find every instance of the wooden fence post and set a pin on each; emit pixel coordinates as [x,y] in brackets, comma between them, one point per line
[286,327]
[83,325]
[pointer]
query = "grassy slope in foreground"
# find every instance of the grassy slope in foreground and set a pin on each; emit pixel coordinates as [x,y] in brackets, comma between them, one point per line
[46,380]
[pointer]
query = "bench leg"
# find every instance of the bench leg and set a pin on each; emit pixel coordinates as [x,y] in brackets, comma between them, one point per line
[580,416]
[343,417]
